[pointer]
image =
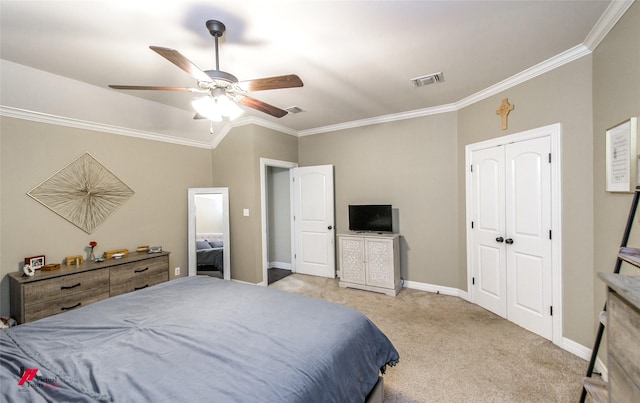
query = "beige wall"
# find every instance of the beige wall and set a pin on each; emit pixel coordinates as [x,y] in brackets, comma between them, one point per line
[562,95]
[411,165]
[159,174]
[236,165]
[616,93]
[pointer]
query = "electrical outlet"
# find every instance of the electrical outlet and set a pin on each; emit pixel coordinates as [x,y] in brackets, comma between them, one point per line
[177,271]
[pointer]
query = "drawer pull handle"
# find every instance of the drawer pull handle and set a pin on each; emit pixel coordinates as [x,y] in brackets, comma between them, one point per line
[70,287]
[140,288]
[141,270]
[64,308]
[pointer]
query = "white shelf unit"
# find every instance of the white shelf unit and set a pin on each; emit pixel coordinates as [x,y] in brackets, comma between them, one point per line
[370,261]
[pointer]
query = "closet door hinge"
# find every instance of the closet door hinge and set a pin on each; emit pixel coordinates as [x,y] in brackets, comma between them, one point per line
[551,310]
[549,158]
[471,224]
[473,281]
[471,167]
[550,235]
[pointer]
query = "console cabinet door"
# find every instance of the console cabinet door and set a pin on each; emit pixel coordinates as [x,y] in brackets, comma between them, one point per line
[379,257]
[352,262]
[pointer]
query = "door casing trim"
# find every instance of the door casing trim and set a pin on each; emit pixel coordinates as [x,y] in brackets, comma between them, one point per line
[554,132]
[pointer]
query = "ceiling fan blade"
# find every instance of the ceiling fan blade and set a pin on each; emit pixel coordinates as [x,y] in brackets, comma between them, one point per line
[262,107]
[271,83]
[154,88]
[179,60]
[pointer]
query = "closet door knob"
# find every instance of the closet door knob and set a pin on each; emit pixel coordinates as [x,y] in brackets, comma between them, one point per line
[499,239]
[330,227]
[508,241]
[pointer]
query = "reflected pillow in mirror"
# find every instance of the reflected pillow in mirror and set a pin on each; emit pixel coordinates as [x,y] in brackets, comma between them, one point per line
[216,244]
[202,245]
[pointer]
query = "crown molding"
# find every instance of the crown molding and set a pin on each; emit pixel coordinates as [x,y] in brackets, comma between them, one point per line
[607,21]
[23,114]
[380,119]
[553,63]
[247,120]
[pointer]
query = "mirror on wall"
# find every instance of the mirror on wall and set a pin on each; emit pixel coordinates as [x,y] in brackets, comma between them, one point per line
[209,232]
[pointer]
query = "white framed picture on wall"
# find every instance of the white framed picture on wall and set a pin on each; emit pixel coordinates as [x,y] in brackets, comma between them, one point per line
[622,156]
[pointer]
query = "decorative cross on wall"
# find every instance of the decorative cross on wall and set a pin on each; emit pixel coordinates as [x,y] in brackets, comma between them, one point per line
[503,111]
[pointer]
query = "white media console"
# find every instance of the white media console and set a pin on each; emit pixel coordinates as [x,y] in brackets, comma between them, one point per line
[370,261]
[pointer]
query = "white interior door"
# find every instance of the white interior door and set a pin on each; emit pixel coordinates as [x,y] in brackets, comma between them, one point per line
[511,239]
[488,247]
[313,209]
[528,212]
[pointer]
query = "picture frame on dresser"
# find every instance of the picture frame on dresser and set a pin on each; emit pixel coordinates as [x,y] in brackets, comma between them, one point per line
[35,261]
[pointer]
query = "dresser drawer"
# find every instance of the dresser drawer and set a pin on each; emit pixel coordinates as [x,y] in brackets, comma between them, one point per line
[61,294]
[135,276]
[62,287]
[623,332]
[41,310]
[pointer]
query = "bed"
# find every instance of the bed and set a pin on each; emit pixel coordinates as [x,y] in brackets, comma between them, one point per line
[197,339]
[209,252]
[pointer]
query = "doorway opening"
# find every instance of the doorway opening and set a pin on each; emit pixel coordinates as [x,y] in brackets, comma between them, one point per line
[277,217]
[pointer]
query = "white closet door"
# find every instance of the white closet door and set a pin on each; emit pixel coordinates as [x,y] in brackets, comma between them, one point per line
[528,212]
[510,241]
[488,252]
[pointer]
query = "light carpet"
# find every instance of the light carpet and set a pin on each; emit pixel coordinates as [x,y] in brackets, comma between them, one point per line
[455,351]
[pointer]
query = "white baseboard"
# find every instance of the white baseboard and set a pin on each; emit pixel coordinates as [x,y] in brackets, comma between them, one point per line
[576,349]
[569,345]
[436,289]
[280,265]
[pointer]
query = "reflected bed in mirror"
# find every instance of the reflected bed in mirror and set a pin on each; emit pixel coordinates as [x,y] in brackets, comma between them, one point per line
[209,232]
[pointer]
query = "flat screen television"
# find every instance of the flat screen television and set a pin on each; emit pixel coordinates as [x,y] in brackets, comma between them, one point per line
[370,218]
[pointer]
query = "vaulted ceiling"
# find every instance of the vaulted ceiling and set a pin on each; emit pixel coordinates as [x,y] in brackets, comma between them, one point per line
[356,58]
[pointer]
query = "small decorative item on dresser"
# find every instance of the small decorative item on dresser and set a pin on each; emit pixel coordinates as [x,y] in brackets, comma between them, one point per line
[142,248]
[92,244]
[110,253]
[155,249]
[7,322]
[35,261]
[51,267]
[28,271]
[74,260]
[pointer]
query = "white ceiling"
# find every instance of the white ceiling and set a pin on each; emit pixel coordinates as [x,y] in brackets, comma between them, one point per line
[356,58]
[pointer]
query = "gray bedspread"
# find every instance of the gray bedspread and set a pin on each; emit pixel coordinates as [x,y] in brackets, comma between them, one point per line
[196,339]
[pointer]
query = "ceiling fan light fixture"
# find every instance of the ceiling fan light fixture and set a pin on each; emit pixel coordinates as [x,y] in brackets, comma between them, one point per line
[217,107]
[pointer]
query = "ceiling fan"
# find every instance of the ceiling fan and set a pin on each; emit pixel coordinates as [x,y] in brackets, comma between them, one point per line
[223,89]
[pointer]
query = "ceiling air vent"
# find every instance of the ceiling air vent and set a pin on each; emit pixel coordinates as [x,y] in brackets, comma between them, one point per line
[293,110]
[428,79]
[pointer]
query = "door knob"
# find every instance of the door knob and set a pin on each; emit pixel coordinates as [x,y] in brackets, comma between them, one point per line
[508,241]
[499,239]
[330,227]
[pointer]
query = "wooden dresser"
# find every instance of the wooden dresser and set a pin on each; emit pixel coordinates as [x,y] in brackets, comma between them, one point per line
[53,292]
[623,337]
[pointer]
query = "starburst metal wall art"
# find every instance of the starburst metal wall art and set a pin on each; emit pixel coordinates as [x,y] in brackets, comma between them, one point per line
[85,193]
